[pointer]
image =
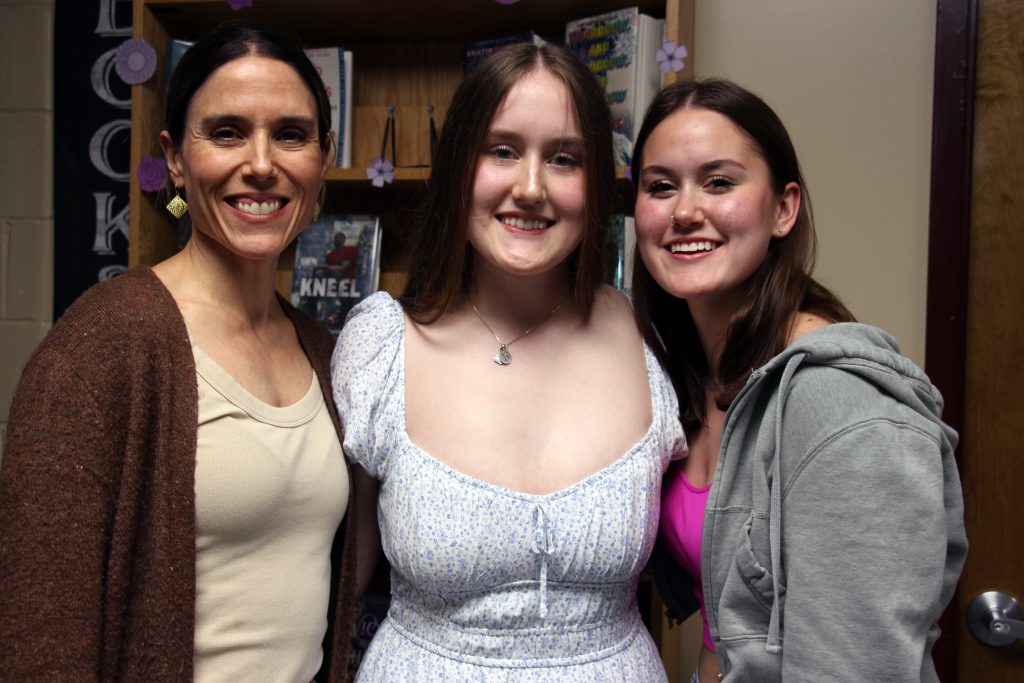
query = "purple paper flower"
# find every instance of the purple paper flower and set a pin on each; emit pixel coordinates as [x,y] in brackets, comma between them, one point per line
[152,173]
[670,57]
[239,4]
[135,61]
[380,171]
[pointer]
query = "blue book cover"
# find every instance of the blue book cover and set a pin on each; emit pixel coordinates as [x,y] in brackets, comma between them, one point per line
[337,265]
[475,50]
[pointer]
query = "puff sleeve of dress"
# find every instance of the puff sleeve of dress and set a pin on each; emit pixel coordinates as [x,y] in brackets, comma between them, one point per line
[664,400]
[367,381]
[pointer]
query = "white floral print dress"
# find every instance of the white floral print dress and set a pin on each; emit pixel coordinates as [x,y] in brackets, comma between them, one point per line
[489,584]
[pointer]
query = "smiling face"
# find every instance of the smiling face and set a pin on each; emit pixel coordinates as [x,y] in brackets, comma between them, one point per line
[527,212]
[706,210]
[250,161]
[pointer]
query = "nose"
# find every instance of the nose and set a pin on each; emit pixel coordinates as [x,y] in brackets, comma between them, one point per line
[688,211]
[529,183]
[261,159]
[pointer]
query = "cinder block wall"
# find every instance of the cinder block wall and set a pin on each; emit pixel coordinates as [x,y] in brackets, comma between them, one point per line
[26,187]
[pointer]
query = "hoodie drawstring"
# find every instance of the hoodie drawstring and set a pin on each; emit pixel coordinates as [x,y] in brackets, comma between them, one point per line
[774,645]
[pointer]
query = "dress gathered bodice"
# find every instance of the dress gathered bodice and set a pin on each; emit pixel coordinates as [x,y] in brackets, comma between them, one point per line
[489,583]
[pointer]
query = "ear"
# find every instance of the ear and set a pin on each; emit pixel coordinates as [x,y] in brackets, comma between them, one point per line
[173,156]
[787,209]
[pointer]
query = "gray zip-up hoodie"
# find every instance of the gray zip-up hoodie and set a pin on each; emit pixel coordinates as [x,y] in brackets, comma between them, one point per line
[833,534]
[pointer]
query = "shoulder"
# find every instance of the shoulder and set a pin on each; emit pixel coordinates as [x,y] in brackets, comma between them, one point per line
[804,322]
[316,340]
[849,375]
[375,318]
[117,317]
[372,332]
[613,311]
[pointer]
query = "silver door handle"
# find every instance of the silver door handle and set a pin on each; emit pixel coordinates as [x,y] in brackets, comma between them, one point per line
[996,619]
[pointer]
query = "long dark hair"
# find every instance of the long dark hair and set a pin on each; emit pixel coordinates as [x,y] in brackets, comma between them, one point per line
[441,258]
[228,42]
[780,287]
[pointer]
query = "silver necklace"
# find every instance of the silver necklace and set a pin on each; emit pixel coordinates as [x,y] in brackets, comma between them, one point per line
[504,356]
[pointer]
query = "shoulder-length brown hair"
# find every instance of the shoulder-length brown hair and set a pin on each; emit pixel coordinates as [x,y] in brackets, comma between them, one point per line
[780,287]
[441,258]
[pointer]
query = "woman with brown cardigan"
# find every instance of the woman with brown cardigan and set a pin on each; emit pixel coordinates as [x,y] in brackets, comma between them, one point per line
[174,501]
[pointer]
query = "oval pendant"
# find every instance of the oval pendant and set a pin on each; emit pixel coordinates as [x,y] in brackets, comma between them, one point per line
[503,357]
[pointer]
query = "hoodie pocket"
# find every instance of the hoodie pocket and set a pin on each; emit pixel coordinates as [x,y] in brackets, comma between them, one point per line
[754,568]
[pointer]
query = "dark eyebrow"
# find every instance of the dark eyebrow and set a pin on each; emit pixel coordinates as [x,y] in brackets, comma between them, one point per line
[512,136]
[703,169]
[712,166]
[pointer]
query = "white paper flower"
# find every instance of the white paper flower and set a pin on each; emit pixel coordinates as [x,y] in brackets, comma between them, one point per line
[670,57]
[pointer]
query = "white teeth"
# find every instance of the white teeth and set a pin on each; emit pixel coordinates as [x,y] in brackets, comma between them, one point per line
[258,208]
[523,224]
[691,247]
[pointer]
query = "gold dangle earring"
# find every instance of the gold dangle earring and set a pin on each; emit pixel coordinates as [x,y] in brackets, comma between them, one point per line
[177,206]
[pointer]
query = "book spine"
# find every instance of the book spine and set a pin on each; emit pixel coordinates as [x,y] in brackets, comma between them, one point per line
[330,64]
[615,49]
[475,50]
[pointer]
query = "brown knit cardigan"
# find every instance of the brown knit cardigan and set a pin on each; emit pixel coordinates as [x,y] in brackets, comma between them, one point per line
[97,496]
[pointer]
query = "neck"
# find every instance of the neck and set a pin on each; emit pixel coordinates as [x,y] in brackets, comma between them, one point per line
[204,272]
[711,318]
[512,303]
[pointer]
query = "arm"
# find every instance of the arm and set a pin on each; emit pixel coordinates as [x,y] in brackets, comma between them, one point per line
[368,546]
[56,516]
[865,543]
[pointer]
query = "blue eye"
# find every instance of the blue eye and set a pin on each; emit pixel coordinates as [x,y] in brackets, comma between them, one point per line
[564,159]
[503,152]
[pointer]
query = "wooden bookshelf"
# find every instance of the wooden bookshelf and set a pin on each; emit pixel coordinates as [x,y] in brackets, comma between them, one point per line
[406,53]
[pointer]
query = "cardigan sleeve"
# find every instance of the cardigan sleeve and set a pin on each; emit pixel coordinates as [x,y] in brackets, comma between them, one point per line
[56,520]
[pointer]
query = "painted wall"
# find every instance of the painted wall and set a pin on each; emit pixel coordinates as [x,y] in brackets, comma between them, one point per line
[852,81]
[26,187]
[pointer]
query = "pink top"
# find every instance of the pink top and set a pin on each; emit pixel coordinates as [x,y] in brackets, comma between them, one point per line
[681,527]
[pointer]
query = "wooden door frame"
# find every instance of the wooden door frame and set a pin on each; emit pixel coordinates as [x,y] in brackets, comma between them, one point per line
[949,237]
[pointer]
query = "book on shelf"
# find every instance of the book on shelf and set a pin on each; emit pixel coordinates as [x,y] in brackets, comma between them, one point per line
[620,47]
[620,251]
[172,55]
[334,64]
[475,50]
[337,265]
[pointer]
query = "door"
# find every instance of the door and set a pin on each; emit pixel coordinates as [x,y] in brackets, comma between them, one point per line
[993,454]
[975,336]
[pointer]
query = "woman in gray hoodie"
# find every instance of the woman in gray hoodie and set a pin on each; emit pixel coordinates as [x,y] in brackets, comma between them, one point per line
[818,520]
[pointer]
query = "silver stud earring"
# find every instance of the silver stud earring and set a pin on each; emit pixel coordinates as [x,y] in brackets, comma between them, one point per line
[780,229]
